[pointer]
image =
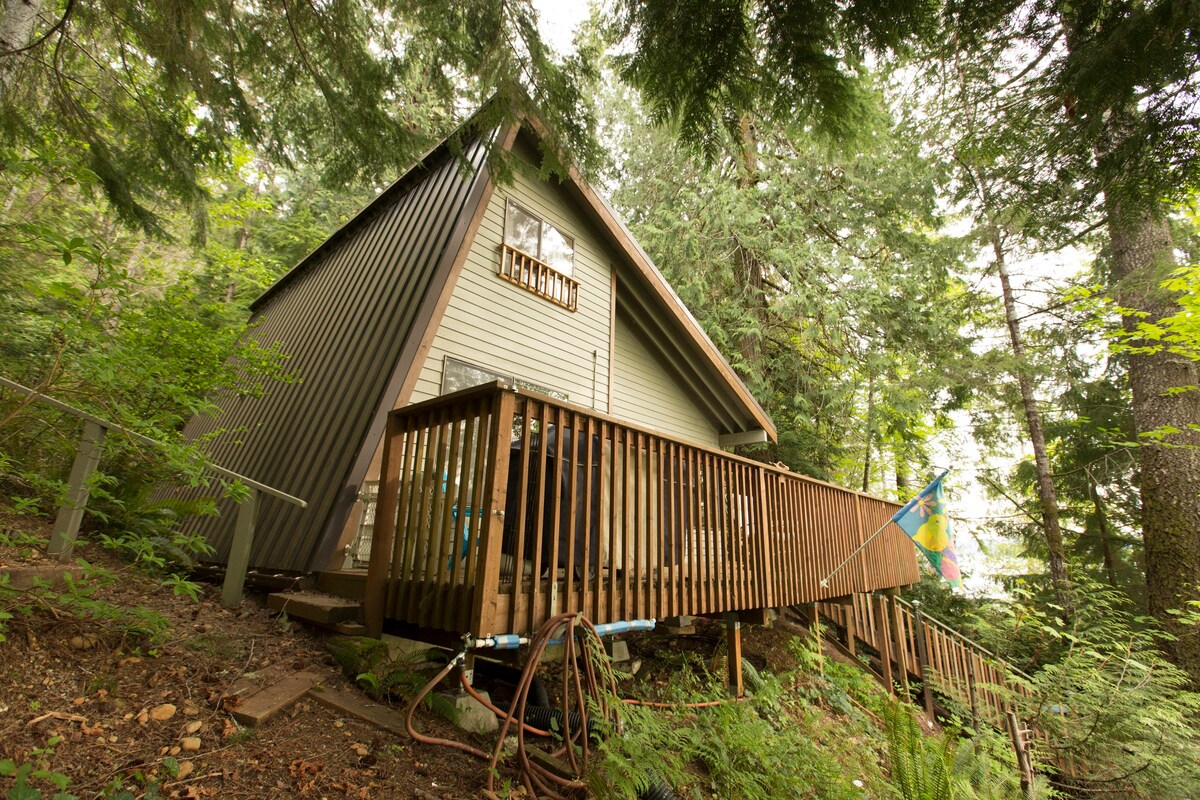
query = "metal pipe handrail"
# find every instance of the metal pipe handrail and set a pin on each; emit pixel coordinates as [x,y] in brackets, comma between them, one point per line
[87,459]
[103,423]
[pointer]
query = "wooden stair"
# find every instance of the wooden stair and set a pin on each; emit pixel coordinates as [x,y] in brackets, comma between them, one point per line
[339,614]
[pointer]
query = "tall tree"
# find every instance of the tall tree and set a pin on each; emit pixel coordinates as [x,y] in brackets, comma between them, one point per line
[1112,86]
[966,133]
[856,288]
[1130,72]
[151,95]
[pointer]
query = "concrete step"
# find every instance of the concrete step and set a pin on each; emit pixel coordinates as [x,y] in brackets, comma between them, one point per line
[322,609]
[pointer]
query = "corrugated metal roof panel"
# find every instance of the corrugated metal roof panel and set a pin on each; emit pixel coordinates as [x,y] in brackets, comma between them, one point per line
[343,316]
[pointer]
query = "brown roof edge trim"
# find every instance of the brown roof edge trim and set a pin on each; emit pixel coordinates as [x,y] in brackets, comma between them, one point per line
[637,256]
[672,302]
[410,177]
[404,375]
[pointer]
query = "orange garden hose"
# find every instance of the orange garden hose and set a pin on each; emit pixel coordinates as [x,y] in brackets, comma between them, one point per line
[588,686]
[466,684]
[420,737]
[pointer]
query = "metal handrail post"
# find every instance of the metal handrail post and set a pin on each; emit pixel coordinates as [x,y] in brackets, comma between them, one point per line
[239,552]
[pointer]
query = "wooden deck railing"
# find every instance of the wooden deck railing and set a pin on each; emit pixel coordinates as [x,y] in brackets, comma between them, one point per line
[499,508]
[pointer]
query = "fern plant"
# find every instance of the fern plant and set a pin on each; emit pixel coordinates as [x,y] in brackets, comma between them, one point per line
[920,766]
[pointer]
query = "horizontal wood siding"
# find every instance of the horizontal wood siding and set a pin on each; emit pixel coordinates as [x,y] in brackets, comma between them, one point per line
[495,324]
[646,393]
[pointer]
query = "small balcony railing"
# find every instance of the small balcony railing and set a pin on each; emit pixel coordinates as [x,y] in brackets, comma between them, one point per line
[543,280]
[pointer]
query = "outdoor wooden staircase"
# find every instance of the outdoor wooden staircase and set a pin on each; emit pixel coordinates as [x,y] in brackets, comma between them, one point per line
[921,659]
[926,657]
[340,614]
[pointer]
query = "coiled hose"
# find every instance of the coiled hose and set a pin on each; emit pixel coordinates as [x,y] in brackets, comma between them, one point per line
[587,682]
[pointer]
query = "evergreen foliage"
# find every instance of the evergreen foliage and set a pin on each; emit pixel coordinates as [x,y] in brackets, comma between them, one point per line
[701,65]
[855,342]
[920,767]
[776,745]
[152,97]
[826,273]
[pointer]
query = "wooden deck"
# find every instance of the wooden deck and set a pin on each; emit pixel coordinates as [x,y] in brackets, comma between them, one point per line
[500,508]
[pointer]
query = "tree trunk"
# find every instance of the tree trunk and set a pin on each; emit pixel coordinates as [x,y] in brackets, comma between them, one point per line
[747,268]
[16,29]
[1106,537]
[1169,470]
[1047,494]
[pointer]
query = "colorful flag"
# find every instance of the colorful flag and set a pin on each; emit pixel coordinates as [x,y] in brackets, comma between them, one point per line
[927,523]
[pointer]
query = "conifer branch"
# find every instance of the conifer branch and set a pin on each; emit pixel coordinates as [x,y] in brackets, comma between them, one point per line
[57,26]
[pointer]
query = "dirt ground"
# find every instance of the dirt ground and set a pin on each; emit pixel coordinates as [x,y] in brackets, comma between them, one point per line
[107,712]
[115,714]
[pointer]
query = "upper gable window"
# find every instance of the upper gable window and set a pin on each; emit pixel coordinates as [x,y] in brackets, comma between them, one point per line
[535,237]
[539,257]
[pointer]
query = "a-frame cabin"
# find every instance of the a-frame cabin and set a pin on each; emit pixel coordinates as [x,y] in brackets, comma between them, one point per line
[499,398]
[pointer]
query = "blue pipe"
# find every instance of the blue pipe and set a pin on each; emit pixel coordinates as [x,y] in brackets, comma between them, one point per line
[610,628]
[511,641]
[613,628]
[503,641]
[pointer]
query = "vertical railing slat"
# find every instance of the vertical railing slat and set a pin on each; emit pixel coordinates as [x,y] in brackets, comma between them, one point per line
[486,599]
[379,566]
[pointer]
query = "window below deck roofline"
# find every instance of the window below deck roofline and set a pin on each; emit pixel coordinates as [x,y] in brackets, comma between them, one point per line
[458,375]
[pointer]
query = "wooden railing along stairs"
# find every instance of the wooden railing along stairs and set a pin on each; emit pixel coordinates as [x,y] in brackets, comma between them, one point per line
[911,652]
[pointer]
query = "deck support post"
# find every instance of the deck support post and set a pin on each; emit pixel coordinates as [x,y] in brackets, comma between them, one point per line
[882,643]
[70,513]
[921,633]
[852,627]
[239,552]
[733,637]
[384,533]
[900,648]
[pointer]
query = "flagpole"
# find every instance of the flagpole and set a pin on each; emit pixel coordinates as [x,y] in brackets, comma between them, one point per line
[849,558]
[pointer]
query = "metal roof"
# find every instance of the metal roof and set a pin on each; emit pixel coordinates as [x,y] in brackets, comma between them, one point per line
[346,317]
